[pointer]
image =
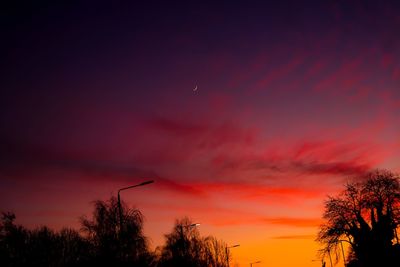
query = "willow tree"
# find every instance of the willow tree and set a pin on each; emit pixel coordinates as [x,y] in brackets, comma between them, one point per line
[114,243]
[366,214]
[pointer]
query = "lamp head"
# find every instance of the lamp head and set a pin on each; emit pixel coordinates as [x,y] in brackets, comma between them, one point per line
[147,182]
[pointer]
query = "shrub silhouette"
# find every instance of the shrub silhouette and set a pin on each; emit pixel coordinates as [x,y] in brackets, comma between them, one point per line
[41,246]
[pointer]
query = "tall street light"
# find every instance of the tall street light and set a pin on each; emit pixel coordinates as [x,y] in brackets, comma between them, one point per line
[188,226]
[227,252]
[251,264]
[119,200]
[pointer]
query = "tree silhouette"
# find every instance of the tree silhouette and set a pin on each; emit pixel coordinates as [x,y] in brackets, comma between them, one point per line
[104,241]
[215,252]
[74,249]
[13,241]
[186,248]
[366,215]
[182,245]
[114,244]
[41,246]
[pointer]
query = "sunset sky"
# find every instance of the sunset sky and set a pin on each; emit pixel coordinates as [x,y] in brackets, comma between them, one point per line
[294,98]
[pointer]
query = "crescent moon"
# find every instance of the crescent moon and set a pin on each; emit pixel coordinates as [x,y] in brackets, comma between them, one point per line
[195,89]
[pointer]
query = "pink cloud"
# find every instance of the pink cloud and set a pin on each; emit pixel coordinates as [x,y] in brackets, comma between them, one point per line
[331,158]
[361,93]
[166,140]
[387,60]
[396,73]
[348,68]
[315,69]
[229,152]
[187,189]
[175,127]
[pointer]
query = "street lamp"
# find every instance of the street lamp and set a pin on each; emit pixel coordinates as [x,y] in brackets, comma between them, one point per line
[251,264]
[119,200]
[227,252]
[188,226]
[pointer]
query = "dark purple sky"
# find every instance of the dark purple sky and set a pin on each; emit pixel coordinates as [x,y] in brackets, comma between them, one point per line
[293,98]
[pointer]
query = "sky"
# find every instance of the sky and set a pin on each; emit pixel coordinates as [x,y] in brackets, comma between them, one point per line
[293,99]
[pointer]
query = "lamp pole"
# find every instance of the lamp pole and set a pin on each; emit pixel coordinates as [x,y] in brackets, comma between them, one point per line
[251,264]
[227,252]
[119,200]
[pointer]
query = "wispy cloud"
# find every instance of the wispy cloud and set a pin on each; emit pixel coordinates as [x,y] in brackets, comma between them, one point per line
[306,158]
[279,73]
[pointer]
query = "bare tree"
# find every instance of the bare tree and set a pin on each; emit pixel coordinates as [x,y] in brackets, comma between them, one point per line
[114,244]
[215,252]
[366,215]
[185,247]
[181,245]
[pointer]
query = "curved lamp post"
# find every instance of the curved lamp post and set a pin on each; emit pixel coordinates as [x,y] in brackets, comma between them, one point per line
[251,264]
[227,252]
[119,200]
